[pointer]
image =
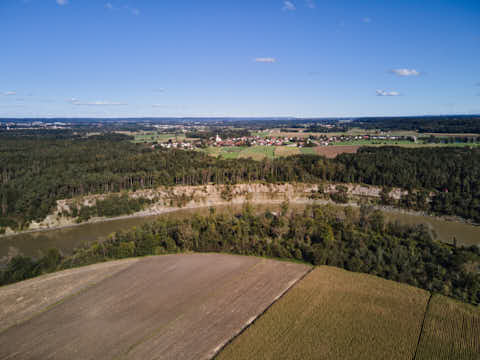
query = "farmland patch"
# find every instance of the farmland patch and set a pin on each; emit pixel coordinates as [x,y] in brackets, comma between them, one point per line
[333,151]
[336,314]
[451,331]
[286,151]
[176,306]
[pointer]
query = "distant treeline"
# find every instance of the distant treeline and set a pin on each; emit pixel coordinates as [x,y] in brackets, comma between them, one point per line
[424,124]
[36,172]
[316,128]
[452,139]
[224,133]
[359,241]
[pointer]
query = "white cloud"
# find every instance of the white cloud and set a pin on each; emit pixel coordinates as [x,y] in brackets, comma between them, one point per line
[311,4]
[367,20]
[62,2]
[288,6]
[75,101]
[9,93]
[387,93]
[265,60]
[109,6]
[405,72]
[134,11]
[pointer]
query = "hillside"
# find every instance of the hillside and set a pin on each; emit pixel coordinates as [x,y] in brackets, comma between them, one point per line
[179,306]
[336,314]
[189,306]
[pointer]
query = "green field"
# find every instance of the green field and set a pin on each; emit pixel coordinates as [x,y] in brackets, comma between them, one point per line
[258,152]
[336,314]
[350,132]
[308,151]
[373,142]
[402,143]
[235,152]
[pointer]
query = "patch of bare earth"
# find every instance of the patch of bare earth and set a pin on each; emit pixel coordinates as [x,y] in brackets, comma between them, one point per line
[21,301]
[333,151]
[166,307]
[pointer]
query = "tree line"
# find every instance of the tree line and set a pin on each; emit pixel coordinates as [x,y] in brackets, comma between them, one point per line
[356,240]
[458,124]
[35,172]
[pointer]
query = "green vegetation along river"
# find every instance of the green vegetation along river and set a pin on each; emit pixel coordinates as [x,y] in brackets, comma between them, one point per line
[67,239]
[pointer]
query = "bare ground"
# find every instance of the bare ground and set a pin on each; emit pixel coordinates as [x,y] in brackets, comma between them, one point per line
[167,307]
[333,151]
[23,300]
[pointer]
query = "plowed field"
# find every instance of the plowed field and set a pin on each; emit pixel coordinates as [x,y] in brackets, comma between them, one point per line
[166,307]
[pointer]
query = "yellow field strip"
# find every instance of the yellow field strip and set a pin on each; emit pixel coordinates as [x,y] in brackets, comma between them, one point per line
[336,314]
[451,331]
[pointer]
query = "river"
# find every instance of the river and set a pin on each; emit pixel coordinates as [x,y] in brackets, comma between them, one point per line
[67,239]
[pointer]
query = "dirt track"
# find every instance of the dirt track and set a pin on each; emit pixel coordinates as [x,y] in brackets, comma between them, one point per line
[167,307]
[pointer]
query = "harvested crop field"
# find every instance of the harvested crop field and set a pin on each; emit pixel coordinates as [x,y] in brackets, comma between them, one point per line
[168,307]
[336,314]
[23,300]
[258,152]
[333,151]
[281,151]
[451,331]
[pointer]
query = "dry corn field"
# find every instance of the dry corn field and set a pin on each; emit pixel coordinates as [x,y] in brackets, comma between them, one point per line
[286,151]
[336,314]
[451,331]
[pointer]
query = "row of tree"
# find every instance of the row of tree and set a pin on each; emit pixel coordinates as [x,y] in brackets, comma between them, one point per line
[457,124]
[37,171]
[357,240]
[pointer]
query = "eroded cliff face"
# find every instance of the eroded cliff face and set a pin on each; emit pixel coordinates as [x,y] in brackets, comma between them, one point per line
[166,199]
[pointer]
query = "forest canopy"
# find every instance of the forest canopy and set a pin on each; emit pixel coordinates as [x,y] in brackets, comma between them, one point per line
[37,171]
[360,241]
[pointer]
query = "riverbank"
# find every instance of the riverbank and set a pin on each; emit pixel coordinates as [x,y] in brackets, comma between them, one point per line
[152,214]
[168,200]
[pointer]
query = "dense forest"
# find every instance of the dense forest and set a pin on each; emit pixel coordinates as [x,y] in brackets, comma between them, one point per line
[424,124]
[359,241]
[35,171]
[224,133]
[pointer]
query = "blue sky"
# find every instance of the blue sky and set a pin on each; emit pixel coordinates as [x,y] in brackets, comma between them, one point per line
[239,58]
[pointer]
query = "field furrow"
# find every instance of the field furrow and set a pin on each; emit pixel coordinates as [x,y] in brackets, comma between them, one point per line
[451,331]
[167,307]
[336,314]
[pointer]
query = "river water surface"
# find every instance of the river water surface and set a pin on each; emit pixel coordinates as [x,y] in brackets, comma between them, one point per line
[67,239]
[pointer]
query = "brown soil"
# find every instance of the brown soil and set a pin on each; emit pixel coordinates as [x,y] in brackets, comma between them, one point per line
[333,151]
[168,307]
[21,301]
